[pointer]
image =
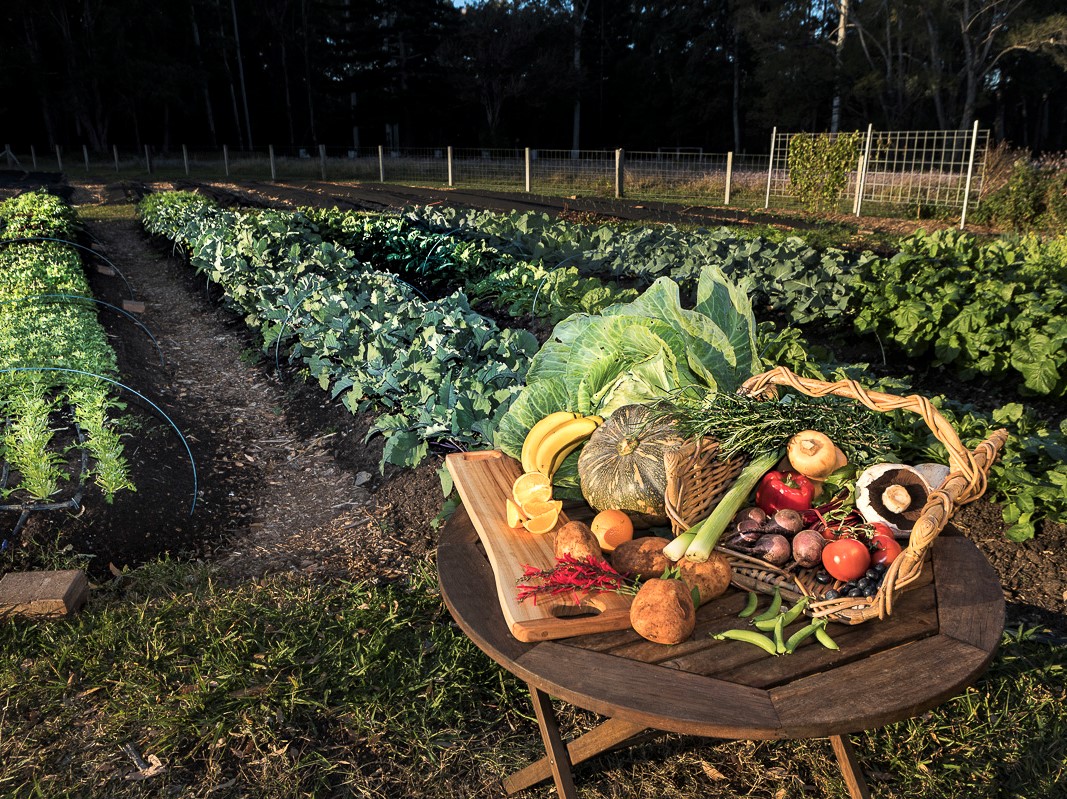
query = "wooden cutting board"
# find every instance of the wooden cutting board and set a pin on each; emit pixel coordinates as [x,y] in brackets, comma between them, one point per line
[484,481]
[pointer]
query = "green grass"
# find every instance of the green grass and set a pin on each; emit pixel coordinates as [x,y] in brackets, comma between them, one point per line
[290,688]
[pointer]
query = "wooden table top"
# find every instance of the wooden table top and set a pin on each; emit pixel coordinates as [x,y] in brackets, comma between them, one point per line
[940,637]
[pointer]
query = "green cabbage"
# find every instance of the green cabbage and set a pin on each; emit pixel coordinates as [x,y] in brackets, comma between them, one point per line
[636,352]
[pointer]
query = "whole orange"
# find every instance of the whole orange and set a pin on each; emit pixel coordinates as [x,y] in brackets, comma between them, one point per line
[611,528]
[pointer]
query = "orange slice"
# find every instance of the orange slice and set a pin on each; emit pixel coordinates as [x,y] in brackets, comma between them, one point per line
[539,508]
[515,515]
[543,523]
[531,487]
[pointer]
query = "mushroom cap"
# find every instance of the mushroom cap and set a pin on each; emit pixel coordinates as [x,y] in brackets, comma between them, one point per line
[871,485]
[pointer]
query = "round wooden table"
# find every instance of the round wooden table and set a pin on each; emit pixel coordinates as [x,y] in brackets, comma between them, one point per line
[940,638]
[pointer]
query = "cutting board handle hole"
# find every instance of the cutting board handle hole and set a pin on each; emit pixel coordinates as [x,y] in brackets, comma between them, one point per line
[575,612]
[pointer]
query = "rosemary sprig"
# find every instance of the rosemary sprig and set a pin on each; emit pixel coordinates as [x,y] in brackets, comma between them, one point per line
[744,424]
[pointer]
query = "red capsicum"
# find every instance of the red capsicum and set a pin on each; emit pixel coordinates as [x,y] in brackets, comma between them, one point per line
[780,490]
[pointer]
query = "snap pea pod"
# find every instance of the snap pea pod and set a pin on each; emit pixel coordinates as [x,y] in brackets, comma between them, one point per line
[749,637]
[772,609]
[750,605]
[824,637]
[800,635]
[789,616]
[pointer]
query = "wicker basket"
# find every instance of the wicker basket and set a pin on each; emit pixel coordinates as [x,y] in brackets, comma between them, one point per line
[697,480]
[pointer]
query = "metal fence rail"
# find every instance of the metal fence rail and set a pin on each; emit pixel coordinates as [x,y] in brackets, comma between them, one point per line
[895,171]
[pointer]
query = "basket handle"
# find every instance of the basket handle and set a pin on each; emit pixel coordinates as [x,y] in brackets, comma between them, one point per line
[960,459]
[966,480]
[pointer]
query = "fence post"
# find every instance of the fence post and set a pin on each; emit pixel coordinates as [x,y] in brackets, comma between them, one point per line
[226,159]
[147,160]
[185,158]
[59,159]
[450,166]
[273,171]
[526,159]
[856,195]
[620,159]
[970,174]
[33,156]
[729,176]
[770,170]
[863,168]
[10,155]
[381,163]
[322,160]
[115,152]
[85,155]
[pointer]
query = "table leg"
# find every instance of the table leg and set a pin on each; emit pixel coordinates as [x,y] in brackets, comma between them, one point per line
[850,767]
[561,757]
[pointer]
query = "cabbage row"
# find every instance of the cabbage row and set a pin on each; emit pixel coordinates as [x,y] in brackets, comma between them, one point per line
[434,371]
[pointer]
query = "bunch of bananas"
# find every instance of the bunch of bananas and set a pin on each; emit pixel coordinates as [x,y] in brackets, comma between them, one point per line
[552,439]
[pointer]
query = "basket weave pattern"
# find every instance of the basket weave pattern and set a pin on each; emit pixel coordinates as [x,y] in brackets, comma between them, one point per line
[696,481]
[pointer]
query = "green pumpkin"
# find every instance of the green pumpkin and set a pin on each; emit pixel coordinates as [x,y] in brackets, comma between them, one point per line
[621,465]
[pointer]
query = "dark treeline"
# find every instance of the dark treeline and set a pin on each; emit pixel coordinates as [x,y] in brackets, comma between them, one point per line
[716,74]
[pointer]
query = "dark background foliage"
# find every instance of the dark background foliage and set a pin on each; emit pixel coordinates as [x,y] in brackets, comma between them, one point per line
[716,74]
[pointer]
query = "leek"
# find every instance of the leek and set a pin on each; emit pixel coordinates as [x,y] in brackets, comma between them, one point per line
[677,548]
[707,532]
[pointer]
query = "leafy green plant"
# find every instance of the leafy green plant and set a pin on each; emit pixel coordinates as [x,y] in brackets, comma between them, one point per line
[819,166]
[27,441]
[527,289]
[45,328]
[996,309]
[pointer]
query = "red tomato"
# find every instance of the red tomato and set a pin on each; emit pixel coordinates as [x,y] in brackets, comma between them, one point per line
[884,549]
[846,559]
[829,533]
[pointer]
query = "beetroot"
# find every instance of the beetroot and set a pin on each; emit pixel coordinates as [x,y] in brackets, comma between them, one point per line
[807,548]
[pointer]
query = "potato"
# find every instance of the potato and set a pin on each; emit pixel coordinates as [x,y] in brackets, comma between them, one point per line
[663,611]
[711,578]
[641,557]
[577,540]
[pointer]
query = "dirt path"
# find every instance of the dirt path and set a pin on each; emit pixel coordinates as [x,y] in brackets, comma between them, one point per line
[285,481]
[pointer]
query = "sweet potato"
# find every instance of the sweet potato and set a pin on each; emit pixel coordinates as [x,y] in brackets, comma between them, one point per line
[641,557]
[577,540]
[663,611]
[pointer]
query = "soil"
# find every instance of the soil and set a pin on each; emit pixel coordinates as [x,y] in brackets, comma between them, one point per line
[285,479]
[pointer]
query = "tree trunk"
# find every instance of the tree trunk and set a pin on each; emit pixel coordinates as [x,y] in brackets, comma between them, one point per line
[839,47]
[578,12]
[241,73]
[288,96]
[736,104]
[205,88]
[238,127]
[307,71]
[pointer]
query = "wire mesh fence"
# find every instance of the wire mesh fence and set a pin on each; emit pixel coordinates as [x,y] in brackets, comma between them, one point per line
[717,178]
[889,173]
[892,172]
